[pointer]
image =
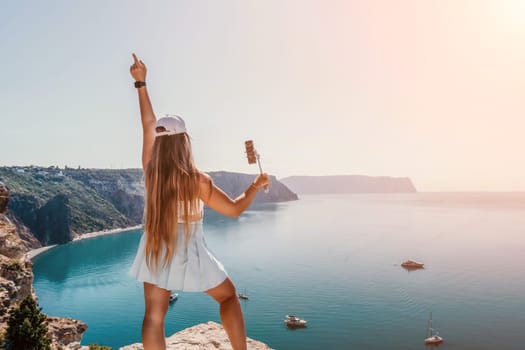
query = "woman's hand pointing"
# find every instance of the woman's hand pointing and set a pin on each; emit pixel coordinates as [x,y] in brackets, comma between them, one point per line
[138,69]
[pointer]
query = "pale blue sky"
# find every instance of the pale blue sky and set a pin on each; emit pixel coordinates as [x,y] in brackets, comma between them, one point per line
[425,89]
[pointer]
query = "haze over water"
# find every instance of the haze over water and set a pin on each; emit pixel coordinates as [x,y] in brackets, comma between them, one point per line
[333,260]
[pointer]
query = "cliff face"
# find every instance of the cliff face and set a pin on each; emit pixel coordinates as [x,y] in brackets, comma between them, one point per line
[205,336]
[123,188]
[54,221]
[4,198]
[16,277]
[16,282]
[52,209]
[51,206]
[10,245]
[349,184]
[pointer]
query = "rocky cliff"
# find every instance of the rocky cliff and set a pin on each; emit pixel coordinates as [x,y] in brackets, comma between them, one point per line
[53,206]
[123,188]
[348,184]
[50,209]
[16,282]
[205,336]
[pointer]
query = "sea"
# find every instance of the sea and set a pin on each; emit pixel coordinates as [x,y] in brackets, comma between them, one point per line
[333,260]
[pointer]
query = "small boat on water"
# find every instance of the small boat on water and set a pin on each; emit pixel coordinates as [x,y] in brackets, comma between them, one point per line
[412,264]
[294,321]
[173,297]
[432,338]
[243,295]
[435,339]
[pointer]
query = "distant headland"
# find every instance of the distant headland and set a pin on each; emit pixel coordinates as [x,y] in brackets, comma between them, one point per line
[348,184]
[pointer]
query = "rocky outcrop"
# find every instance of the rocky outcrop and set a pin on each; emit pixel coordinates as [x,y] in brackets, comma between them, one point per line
[65,333]
[16,276]
[4,198]
[11,245]
[205,336]
[16,283]
[349,184]
[25,233]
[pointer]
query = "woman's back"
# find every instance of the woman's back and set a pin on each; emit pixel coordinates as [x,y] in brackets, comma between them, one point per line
[192,215]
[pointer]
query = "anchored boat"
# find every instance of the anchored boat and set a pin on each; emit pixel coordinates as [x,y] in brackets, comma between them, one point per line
[432,338]
[243,295]
[412,264]
[173,297]
[294,321]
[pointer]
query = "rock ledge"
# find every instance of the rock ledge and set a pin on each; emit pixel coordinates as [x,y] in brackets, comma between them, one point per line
[204,336]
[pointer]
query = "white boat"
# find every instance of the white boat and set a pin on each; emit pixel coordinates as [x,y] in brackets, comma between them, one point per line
[294,321]
[432,339]
[243,295]
[173,297]
[412,264]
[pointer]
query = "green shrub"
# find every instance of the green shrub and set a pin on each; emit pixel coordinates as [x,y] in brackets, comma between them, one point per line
[15,266]
[27,327]
[99,347]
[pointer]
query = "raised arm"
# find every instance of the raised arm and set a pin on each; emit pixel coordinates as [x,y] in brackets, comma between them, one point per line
[219,201]
[138,72]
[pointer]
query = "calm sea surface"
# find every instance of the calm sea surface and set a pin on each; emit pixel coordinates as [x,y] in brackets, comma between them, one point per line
[333,260]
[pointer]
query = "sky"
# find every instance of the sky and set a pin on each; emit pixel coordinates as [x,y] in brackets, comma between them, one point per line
[431,90]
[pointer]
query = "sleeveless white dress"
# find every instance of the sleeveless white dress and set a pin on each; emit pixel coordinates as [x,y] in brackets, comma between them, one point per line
[194,268]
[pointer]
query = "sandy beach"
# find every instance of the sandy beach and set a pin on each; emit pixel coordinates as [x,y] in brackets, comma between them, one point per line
[35,252]
[30,255]
[105,232]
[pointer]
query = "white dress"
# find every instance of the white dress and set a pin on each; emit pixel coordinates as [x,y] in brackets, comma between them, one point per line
[193,268]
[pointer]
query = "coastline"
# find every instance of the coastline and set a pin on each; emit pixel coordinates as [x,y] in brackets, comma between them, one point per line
[105,232]
[33,253]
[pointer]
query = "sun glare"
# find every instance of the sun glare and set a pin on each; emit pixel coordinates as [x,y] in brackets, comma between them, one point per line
[514,14]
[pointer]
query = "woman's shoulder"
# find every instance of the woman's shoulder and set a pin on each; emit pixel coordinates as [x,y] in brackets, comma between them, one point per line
[204,178]
[205,185]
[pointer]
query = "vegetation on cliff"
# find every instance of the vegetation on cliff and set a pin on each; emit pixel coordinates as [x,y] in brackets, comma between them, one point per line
[56,208]
[27,327]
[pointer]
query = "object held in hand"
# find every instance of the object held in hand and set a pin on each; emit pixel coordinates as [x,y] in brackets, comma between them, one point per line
[251,153]
[253,157]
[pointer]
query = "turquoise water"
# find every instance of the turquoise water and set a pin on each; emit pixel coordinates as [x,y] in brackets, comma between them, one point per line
[333,260]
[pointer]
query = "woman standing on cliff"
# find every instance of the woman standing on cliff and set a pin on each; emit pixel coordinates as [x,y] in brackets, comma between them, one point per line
[172,253]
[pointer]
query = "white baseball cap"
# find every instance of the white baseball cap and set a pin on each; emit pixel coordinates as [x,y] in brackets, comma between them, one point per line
[172,123]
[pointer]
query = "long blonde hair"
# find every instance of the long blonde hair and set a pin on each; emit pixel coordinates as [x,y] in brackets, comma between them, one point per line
[170,178]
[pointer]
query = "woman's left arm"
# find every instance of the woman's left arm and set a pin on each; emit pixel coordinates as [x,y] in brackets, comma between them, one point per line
[218,200]
[138,72]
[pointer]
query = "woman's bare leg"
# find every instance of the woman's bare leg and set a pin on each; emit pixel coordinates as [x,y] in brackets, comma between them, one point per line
[231,314]
[156,301]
